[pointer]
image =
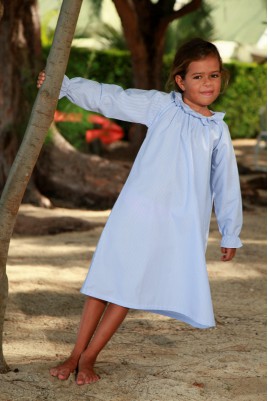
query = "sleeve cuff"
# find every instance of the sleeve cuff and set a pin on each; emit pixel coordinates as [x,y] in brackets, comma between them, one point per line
[231,241]
[64,87]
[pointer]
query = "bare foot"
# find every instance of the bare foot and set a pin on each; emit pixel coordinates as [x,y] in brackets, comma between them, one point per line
[63,370]
[86,373]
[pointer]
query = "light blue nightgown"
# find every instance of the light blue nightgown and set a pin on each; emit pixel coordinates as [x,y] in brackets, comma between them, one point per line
[151,254]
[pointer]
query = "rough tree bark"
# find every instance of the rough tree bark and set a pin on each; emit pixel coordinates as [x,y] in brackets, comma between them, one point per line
[40,120]
[144,24]
[20,55]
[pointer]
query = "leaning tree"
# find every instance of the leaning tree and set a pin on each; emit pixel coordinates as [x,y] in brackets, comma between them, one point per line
[40,120]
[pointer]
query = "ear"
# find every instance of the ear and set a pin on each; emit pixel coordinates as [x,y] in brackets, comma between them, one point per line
[180,82]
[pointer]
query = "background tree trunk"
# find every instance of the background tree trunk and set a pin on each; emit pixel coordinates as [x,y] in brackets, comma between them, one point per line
[20,56]
[41,118]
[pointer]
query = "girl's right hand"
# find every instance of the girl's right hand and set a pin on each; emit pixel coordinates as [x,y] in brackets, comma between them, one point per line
[41,78]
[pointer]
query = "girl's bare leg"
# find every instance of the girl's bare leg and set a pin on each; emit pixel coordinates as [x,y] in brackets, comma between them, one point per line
[112,318]
[92,312]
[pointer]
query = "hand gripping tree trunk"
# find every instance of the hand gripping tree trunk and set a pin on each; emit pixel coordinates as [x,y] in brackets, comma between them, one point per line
[40,120]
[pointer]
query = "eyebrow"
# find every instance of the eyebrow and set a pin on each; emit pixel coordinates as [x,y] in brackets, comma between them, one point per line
[211,72]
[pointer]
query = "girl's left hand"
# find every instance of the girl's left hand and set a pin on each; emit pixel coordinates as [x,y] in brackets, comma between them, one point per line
[228,254]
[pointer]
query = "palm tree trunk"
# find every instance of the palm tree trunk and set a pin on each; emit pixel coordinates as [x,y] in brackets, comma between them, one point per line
[40,120]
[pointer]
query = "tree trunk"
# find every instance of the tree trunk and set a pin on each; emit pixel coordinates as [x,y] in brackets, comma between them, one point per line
[20,54]
[20,62]
[40,120]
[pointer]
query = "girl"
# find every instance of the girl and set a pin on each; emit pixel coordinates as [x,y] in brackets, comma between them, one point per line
[151,254]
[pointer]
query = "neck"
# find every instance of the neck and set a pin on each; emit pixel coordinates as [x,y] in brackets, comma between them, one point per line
[199,109]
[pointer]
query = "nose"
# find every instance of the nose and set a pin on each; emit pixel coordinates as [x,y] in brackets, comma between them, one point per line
[207,80]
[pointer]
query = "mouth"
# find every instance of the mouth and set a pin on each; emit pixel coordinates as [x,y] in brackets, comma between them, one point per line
[207,93]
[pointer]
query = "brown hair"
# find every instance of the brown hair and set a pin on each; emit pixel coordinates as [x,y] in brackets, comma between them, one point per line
[194,50]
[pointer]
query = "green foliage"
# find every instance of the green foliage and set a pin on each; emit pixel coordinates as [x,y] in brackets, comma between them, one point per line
[109,66]
[242,101]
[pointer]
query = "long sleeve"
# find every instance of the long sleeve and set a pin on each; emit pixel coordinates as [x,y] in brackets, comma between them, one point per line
[226,191]
[134,105]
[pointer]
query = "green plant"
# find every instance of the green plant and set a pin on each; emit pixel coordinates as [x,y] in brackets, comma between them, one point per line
[244,99]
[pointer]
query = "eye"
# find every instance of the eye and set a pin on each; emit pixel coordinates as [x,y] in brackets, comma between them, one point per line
[216,75]
[197,77]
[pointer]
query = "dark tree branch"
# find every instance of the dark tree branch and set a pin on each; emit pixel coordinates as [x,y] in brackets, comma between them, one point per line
[170,15]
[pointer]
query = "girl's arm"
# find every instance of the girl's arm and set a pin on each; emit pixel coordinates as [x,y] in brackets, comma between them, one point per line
[134,105]
[226,194]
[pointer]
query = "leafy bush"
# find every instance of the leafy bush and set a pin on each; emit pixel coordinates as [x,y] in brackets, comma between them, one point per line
[109,66]
[242,101]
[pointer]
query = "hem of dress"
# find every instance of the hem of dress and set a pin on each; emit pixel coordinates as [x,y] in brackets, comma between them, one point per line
[156,310]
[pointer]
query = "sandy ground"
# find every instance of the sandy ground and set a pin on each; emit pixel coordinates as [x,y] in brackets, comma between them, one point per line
[151,358]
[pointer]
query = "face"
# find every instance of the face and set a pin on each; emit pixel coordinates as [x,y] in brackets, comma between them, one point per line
[202,84]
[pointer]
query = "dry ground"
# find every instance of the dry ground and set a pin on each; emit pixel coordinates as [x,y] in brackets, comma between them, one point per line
[151,358]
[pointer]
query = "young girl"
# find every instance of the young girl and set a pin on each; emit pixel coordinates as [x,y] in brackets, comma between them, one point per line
[151,254]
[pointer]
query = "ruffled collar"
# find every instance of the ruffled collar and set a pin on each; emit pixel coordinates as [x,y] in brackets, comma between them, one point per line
[216,117]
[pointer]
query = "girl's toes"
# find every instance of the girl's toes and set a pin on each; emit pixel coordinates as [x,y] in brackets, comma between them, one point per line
[61,373]
[64,374]
[87,377]
[53,372]
[92,379]
[80,380]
